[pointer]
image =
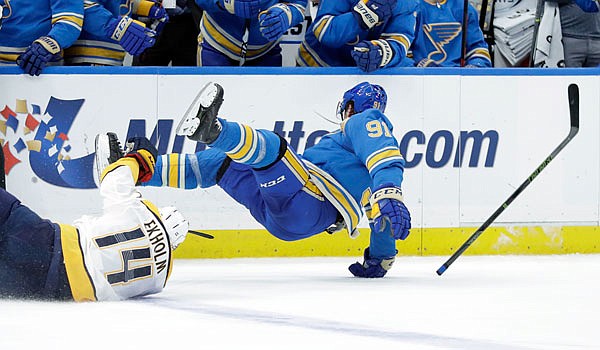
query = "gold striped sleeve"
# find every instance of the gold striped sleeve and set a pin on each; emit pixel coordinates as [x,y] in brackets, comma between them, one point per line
[378,157]
[72,19]
[399,38]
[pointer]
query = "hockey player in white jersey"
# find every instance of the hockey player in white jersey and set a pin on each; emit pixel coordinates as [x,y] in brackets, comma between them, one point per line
[125,252]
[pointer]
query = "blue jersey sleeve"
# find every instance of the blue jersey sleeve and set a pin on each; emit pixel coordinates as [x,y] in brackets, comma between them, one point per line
[399,31]
[210,6]
[477,49]
[335,25]
[67,21]
[96,18]
[370,135]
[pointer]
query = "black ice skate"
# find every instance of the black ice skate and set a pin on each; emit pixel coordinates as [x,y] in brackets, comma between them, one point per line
[108,151]
[200,120]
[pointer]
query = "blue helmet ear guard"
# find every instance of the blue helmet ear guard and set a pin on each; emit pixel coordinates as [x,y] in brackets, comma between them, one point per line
[363,96]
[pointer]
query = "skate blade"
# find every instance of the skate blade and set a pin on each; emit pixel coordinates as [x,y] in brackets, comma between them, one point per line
[190,121]
[102,146]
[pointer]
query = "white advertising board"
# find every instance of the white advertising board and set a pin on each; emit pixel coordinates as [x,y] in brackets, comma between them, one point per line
[509,124]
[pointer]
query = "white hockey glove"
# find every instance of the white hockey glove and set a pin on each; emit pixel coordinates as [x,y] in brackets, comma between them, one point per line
[177,226]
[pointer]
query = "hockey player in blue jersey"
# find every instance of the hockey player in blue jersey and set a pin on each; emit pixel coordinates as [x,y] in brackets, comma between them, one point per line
[123,253]
[34,33]
[369,34]
[245,32]
[298,196]
[438,37]
[110,30]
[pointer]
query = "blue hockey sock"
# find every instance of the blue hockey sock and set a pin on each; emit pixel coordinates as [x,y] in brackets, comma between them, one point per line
[187,170]
[255,147]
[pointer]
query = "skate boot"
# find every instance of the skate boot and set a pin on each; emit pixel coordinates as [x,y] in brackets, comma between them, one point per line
[108,151]
[200,120]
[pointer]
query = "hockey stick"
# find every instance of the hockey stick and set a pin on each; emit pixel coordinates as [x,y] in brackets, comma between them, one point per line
[244,48]
[463,42]
[573,92]
[201,234]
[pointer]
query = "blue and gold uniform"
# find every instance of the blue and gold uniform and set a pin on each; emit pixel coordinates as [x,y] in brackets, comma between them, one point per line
[335,31]
[330,181]
[438,38]
[94,46]
[236,37]
[24,21]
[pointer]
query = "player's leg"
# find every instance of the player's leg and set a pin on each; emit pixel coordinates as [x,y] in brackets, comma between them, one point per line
[280,197]
[188,171]
[26,249]
[243,144]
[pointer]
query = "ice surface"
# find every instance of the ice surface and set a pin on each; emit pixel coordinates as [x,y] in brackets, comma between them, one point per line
[492,302]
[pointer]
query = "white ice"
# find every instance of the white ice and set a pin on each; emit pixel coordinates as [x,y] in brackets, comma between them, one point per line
[491,302]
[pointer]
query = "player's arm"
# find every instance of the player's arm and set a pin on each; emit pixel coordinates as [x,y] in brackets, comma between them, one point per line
[335,25]
[370,133]
[395,40]
[67,20]
[277,19]
[477,54]
[97,18]
[132,35]
[371,136]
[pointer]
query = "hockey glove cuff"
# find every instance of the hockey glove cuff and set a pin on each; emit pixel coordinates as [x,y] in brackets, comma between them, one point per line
[41,51]
[369,13]
[153,11]
[132,35]
[387,208]
[372,267]
[372,55]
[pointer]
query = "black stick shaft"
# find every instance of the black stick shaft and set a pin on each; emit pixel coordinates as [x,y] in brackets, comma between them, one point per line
[573,92]
[463,43]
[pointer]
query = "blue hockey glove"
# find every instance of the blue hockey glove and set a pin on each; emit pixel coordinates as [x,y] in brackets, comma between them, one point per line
[144,152]
[372,55]
[387,208]
[275,21]
[369,13]
[41,51]
[241,8]
[372,267]
[155,12]
[133,36]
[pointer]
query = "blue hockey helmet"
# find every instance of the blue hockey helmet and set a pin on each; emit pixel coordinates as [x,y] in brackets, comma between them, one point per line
[363,96]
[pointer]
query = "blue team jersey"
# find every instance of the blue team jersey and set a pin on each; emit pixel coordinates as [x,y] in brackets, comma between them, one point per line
[94,46]
[335,31]
[438,37]
[225,31]
[24,21]
[360,156]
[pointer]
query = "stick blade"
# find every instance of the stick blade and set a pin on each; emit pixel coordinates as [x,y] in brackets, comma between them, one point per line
[574,105]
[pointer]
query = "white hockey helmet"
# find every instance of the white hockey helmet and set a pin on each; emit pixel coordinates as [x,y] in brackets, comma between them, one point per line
[177,226]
